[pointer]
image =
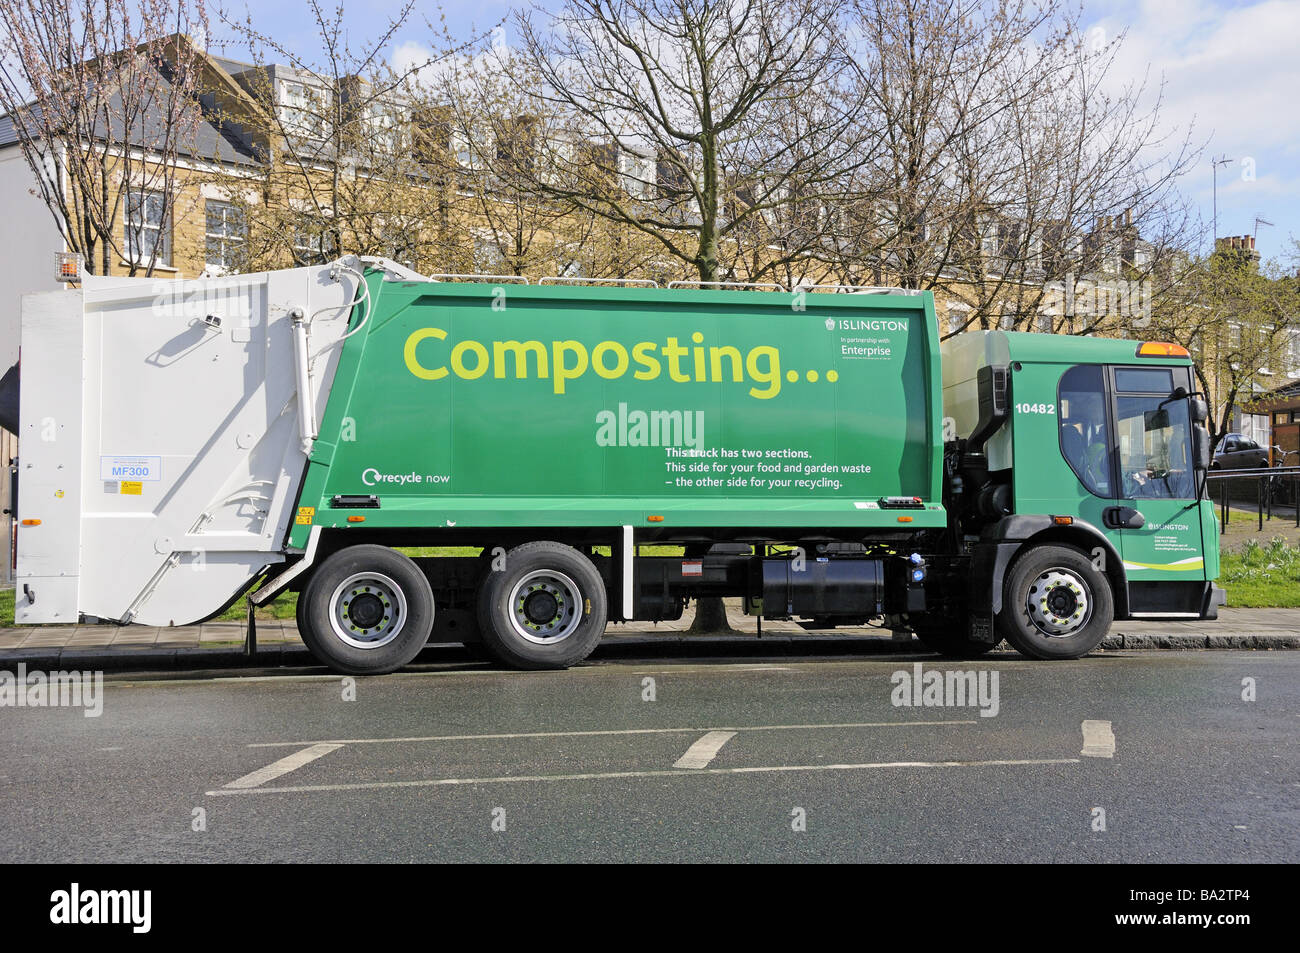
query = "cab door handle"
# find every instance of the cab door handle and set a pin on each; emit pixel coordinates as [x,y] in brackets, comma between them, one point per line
[1122,517]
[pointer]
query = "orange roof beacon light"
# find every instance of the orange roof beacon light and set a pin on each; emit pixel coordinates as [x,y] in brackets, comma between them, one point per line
[1161,349]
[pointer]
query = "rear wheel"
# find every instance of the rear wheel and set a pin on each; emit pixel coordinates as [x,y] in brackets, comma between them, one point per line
[367,610]
[545,609]
[1055,604]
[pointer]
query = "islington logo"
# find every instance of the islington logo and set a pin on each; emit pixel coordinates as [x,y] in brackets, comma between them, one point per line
[53,690]
[934,689]
[77,906]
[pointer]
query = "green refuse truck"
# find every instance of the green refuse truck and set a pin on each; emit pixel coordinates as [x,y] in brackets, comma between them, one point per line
[820,456]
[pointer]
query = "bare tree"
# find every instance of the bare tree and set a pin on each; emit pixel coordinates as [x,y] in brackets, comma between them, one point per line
[700,124]
[103,98]
[1010,170]
[1239,318]
[352,160]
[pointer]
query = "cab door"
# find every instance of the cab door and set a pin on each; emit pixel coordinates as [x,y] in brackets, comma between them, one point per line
[1157,517]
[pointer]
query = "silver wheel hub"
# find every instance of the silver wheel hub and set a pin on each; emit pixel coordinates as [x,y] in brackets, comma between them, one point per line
[1059,602]
[545,607]
[367,610]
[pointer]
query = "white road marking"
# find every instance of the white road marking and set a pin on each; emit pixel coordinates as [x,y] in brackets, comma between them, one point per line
[1098,740]
[705,750]
[506,736]
[286,764]
[607,775]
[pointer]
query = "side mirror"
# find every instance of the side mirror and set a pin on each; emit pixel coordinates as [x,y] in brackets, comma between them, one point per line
[1200,411]
[1200,448]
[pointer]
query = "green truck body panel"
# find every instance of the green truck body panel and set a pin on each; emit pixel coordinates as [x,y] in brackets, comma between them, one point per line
[518,406]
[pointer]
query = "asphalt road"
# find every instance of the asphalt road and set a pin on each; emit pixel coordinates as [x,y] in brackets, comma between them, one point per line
[725,763]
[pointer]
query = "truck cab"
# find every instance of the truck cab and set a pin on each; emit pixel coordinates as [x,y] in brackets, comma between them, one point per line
[1098,447]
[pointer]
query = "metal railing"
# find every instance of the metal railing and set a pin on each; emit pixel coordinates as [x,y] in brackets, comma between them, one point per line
[1273,485]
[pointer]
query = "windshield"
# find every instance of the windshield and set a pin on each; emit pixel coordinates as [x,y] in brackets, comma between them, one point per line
[1155,448]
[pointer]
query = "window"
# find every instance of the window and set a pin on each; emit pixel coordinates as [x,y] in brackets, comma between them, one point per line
[1151,380]
[637,173]
[148,239]
[488,259]
[1155,438]
[225,232]
[304,107]
[471,145]
[312,246]
[1085,442]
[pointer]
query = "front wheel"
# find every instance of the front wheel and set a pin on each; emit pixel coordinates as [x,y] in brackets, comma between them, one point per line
[546,608]
[1055,604]
[367,610]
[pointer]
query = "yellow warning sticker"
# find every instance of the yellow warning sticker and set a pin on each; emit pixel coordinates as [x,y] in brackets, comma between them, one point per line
[132,488]
[305,515]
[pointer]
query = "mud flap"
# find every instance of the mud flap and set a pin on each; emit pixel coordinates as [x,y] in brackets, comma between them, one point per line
[1214,597]
[988,569]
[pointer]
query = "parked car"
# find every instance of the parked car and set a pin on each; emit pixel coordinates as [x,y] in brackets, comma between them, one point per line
[1238,452]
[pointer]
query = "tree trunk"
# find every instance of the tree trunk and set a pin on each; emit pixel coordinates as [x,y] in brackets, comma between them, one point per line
[710,615]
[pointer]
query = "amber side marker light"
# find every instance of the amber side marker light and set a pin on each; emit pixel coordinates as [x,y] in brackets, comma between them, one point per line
[905,519]
[356,519]
[654,519]
[1161,349]
[1062,520]
[31,522]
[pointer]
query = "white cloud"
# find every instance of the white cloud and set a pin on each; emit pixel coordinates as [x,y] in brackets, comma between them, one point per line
[1234,72]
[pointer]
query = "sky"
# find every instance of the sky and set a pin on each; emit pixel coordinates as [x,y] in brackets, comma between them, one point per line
[1229,69]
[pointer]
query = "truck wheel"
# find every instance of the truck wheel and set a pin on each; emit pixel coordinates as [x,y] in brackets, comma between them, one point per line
[546,609]
[367,610]
[950,641]
[1055,604]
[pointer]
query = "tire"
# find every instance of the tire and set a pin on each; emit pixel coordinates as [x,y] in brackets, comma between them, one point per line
[1079,615]
[546,610]
[951,641]
[368,611]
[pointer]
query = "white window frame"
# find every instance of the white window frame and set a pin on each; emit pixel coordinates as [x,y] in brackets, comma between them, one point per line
[304,107]
[224,240]
[310,245]
[134,229]
[637,173]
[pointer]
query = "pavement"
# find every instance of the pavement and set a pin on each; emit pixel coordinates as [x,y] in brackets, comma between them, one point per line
[217,644]
[1132,756]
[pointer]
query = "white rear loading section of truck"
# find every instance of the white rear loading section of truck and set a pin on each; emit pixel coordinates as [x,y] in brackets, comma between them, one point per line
[161,441]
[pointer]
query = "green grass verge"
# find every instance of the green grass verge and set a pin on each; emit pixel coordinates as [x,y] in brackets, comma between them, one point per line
[1262,577]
